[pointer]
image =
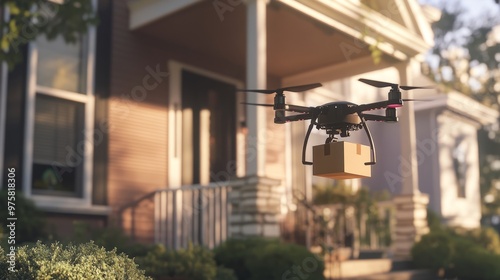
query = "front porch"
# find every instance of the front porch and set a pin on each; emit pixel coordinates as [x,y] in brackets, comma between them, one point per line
[208,215]
[259,44]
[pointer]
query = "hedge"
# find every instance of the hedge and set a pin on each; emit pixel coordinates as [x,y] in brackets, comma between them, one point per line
[58,262]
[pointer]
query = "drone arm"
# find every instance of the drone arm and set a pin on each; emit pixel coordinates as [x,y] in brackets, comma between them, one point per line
[299,117]
[372,146]
[298,109]
[370,117]
[304,146]
[367,107]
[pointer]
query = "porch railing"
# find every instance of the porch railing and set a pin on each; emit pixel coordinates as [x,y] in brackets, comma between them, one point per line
[197,214]
[346,226]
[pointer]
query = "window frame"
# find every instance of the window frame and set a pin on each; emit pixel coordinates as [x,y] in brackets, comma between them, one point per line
[86,98]
[4,16]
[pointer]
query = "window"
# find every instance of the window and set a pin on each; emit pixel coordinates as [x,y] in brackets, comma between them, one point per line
[59,113]
[459,155]
[61,65]
[57,160]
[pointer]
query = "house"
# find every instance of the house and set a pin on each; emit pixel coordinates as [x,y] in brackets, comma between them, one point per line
[452,123]
[118,128]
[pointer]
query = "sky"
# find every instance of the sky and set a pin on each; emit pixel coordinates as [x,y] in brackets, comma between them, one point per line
[473,12]
[475,8]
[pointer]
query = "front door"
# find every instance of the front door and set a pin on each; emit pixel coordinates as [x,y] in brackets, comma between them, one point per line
[209,129]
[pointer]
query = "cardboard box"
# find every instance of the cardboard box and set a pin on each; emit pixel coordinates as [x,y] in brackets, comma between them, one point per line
[341,160]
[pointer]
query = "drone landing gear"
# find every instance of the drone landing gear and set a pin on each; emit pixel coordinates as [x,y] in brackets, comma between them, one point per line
[330,139]
[342,133]
[369,135]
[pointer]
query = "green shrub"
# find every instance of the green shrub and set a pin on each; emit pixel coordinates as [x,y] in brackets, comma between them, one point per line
[434,251]
[31,227]
[234,253]
[280,260]
[57,262]
[109,238]
[487,237]
[225,274]
[193,263]
[433,221]
[460,253]
[259,258]
[476,263]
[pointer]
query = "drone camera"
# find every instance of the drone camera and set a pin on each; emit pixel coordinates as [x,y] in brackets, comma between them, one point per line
[345,133]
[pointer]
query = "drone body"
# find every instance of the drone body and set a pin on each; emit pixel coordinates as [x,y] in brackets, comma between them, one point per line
[337,119]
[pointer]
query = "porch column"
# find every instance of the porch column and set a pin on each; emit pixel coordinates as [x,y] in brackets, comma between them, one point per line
[255,208]
[256,205]
[411,205]
[256,79]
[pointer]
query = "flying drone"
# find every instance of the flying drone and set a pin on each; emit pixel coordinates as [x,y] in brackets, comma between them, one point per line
[337,118]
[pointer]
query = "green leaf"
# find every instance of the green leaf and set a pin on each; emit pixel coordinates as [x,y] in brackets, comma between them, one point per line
[4,44]
[13,8]
[13,26]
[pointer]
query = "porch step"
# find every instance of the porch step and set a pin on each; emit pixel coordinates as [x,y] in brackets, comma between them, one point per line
[419,274]
[372,254]
[356,268]
[375,269]
[400,265]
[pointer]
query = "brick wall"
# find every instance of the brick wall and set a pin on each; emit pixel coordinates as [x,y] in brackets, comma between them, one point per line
[138,119]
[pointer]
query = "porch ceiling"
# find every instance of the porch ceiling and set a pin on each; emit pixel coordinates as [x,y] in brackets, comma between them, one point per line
[296,43]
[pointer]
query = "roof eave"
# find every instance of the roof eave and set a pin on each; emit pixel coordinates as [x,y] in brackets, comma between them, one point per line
[143,12]
[462,105]
[372,28]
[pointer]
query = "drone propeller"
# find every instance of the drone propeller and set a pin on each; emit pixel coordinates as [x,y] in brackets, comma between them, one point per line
[425,100]
[281,90]
[410,87]
[258,104]
[265,91]
[302,87]
[380,84]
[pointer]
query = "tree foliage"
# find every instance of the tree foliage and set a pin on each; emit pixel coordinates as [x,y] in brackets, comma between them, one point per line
[467,53]
[29,19]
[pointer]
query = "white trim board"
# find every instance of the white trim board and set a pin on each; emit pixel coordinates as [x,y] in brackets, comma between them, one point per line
[143,12]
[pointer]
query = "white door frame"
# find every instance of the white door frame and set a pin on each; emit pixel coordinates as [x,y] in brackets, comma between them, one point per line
[175,135]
